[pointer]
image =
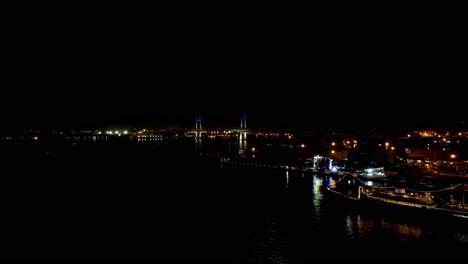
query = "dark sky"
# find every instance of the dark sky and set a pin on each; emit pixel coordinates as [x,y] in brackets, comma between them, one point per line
[92,69]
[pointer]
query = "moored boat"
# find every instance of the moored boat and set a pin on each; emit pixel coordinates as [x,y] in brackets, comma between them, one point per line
[449,201]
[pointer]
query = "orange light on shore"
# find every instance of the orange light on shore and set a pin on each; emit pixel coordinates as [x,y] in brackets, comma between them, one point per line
[35,138]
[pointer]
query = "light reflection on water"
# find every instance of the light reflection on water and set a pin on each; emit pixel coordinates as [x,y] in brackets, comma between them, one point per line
[366,228]
[349,226]
[461,237]
[270,243]
[317,195]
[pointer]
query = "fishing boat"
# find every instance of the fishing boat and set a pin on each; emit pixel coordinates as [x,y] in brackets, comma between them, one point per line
[401,198]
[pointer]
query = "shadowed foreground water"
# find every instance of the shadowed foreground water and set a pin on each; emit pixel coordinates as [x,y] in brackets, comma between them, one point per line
[161,202]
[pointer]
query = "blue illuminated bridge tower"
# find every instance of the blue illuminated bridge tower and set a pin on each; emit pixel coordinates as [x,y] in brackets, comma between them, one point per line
[243,127]
[198,126]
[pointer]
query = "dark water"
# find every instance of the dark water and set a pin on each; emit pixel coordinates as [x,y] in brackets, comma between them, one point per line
[160,201]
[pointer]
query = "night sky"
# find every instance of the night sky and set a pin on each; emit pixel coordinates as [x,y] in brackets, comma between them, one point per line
[75,70]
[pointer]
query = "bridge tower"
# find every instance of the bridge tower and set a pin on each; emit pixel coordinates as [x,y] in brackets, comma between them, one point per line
[243,127]
[243,121]
[198,126]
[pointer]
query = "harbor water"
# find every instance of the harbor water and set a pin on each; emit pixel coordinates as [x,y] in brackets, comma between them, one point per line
[159,200]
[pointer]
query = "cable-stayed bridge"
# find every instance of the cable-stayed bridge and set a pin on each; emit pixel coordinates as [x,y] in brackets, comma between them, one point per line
[240,132]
